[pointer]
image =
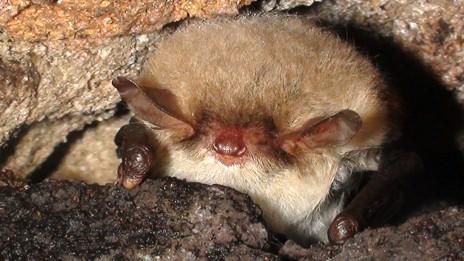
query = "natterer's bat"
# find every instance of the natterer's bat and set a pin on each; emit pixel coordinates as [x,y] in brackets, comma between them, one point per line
[272,106]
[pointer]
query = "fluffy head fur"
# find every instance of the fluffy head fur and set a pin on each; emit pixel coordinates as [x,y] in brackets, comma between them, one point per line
[273,73]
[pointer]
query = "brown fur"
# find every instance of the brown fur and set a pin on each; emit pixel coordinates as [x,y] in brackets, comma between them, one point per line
[277,70]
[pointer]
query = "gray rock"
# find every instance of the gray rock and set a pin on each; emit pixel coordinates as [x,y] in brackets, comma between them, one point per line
[164,219]
[168,219]
[438,235]
[431,30]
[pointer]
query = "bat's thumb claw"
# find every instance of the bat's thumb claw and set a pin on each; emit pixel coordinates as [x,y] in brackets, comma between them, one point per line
[135,166]
[342,228]
[127,181]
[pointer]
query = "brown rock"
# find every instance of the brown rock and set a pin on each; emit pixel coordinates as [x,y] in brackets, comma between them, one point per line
[57,87]
[64,19]
[268,5]
[18,89]
[91,157]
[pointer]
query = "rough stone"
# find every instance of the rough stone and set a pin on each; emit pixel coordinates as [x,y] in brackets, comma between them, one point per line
[431,30]
[269,5]
[61,87]
[162,219]
[170,219]
[432,236]
[82,161]
[35,20]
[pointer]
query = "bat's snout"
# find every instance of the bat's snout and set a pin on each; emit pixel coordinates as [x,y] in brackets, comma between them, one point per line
[230,143]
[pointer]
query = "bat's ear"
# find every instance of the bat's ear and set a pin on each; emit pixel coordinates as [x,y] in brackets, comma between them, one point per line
[332,131]
[158,106]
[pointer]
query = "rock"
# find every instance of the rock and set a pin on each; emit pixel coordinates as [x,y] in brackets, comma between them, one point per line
[171,219]
[38,20]
[431,30]
[67,87]
[430,236]
[18,90]
[91,157]
[161,219]
[269,5]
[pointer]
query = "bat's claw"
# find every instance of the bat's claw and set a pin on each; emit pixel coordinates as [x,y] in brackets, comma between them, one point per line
[135,166]
[342,228]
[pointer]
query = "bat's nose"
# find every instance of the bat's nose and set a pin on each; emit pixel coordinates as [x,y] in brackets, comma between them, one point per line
[230,144]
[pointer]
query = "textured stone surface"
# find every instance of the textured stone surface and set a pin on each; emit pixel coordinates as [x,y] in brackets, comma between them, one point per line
[85,161]
[435,236]
[170,219]
[162,219]
[59,87]
[18,88]
[431,30]
[34,20]
[268,5]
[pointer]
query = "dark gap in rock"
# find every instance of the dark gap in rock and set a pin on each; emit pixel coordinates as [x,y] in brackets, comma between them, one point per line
[432,120]
[10,147]
[45,2]
[60,151]
[121,110]
[303,10]
[56,157]
[254,7]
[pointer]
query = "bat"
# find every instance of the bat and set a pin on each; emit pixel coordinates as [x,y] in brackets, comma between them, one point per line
[272,106]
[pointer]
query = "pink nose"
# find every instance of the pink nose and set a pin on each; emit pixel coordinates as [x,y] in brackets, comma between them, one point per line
[229,144]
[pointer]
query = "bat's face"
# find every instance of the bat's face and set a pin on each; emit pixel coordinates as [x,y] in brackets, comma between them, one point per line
[232,144]
[238,145]
[231,154]
[240,142]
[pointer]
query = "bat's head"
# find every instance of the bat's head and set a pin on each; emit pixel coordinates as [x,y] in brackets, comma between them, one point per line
[265,105]
[267,88]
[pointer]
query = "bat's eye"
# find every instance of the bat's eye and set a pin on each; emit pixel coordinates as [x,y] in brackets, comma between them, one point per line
[230,143]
